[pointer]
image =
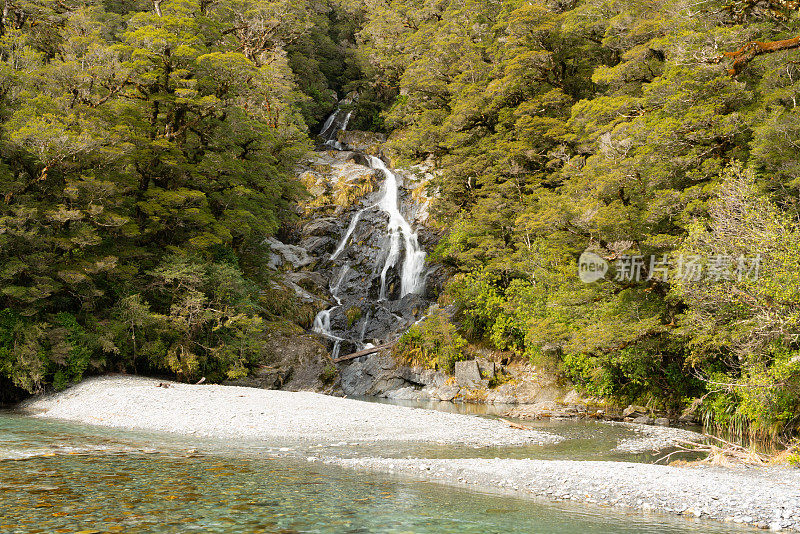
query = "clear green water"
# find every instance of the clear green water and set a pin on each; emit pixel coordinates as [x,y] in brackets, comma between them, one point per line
[60,477]
[583,440]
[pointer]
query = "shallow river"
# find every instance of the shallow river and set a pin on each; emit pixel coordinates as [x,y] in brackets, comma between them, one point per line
[64,477]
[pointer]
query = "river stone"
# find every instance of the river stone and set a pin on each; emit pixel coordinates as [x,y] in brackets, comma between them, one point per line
[643,420]
[662,421]
[467,373]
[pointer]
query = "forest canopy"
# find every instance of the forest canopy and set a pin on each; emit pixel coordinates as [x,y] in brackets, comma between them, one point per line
[640,131]
[148,149]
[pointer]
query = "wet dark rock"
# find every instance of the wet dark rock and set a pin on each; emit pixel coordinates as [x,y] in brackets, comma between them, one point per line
[294,361]
[318,245]
[434,281]
[324,226]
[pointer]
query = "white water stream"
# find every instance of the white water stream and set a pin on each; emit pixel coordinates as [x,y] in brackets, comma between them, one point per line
[402,240]
[322,322]
[399,228]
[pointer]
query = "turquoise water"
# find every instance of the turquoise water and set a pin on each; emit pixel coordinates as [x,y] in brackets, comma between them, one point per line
[62,477]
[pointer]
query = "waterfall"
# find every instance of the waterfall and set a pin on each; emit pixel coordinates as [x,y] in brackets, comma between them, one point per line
[322,322]
[414,260]
[378,249]
[325,133]
[335,124]
[322,326]
[350,229]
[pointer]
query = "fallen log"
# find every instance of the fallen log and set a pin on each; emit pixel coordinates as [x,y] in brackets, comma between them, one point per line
[514,425]
[360,353]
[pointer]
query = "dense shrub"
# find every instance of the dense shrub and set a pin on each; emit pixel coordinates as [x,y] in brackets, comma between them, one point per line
[433,343]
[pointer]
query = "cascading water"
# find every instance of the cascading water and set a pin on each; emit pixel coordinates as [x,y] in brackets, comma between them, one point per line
[322,322]
[337,122]
[414,261]
[350,229]
[378,264]
[322,326]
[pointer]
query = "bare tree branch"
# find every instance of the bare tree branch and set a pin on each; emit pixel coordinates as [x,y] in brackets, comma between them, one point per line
[746,54]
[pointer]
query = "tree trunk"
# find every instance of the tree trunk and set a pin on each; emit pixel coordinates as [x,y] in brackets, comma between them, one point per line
[4,18]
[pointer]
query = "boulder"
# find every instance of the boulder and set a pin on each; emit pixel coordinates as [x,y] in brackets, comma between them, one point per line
[422,377]
[467,373]
[662,421]
[634,410]
[446,393]
[643,420]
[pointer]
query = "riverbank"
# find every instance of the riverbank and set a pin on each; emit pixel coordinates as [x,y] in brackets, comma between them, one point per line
[135,403]
[766,497]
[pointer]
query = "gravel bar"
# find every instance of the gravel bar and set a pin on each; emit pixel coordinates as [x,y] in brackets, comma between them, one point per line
[768,498]
[763,497]
[136,403]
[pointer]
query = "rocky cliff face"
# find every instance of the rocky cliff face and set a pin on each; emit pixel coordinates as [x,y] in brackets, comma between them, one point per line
[357,261]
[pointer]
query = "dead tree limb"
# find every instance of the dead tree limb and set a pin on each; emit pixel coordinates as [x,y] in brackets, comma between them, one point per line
[362,353]
[753,49]
[725,451]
